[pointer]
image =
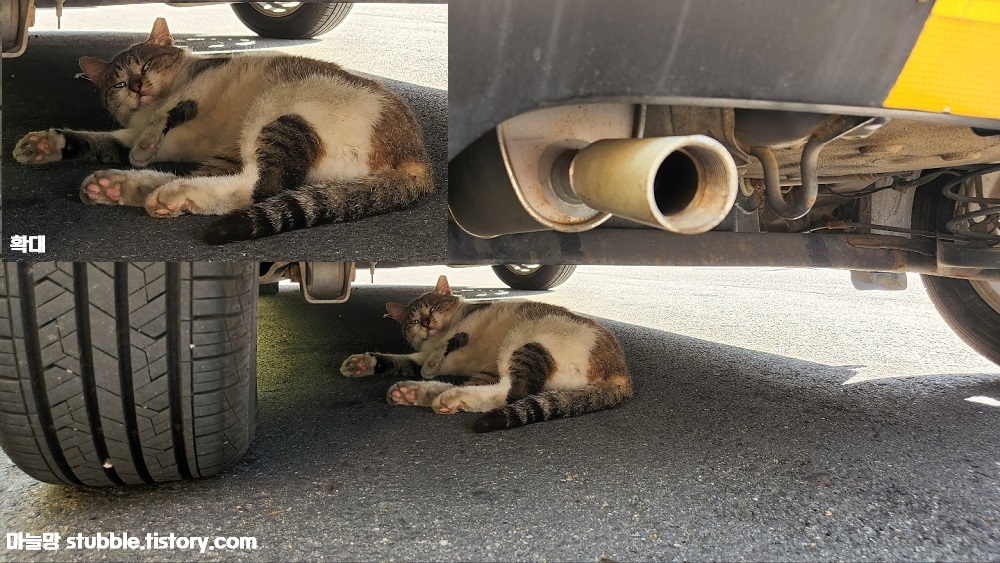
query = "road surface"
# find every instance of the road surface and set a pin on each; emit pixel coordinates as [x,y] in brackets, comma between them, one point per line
[779,415]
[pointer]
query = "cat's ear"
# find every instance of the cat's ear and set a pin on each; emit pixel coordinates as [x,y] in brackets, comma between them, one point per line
[93,68]
[160,34]
[396,311]
[442,287]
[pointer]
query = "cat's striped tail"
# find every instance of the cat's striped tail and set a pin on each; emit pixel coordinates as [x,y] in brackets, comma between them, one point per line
[557,403]
[325,202]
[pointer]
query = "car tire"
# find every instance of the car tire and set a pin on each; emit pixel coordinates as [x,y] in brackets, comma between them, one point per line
[301,22]
[970,308]
[532,276]
[127,373]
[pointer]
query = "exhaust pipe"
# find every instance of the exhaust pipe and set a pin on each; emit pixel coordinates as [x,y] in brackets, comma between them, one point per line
[533,176]
[684,184]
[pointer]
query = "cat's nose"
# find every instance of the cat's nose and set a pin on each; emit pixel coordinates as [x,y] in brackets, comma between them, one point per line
[136,87]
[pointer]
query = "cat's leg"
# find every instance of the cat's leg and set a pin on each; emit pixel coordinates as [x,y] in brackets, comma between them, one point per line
[483,378]
[528,367]
[392,365]
[122,187]
[416,393]
[437,358]
[220,179]
[280,155]
[221,164]
[524,372]
[311,175]
[162,121]
[433,364]
[202,195]
[472,398]
[42,147]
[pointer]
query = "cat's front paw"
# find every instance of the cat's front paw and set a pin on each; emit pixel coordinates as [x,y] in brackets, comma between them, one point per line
[358,365]
[170,200]
[432,366]
[40,147]
[144,150]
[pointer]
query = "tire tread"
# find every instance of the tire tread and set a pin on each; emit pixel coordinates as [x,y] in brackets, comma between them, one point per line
[310,20]
[545,277]
[124,391]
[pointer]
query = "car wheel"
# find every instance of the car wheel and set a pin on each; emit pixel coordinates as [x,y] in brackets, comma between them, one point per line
[291,20]
[121,373]
[971,308]
[533,276]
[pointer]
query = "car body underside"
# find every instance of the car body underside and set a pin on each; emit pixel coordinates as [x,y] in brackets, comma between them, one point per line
[832,123]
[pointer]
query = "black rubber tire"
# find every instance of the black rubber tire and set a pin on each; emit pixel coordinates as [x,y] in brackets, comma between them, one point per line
[307,21]
[543,277]
[956,300]
[127,373]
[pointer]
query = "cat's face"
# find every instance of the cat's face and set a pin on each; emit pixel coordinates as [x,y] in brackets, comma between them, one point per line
[426,316]
[138,76]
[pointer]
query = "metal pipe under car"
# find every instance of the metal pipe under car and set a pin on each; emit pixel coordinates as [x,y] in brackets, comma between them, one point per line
[684,184]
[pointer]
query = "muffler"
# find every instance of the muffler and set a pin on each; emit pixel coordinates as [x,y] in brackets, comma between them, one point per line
[570,168]
[683,184]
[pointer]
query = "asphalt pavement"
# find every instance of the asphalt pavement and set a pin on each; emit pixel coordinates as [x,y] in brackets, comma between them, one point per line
[405,46]
[779,415]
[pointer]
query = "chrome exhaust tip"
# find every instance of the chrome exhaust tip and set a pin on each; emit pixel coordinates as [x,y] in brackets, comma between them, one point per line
[683,184]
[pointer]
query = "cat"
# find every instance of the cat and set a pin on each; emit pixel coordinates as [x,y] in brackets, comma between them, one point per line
[282,142]
[526,361]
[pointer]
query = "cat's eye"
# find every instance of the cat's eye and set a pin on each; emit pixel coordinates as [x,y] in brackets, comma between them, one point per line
[145,67]
[414,322]
[120,85]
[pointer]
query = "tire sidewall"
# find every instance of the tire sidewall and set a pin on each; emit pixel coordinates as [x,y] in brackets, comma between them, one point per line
[956,300]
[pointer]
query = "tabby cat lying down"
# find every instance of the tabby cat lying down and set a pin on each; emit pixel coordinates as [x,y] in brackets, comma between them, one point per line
[282,142]
[527,362]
